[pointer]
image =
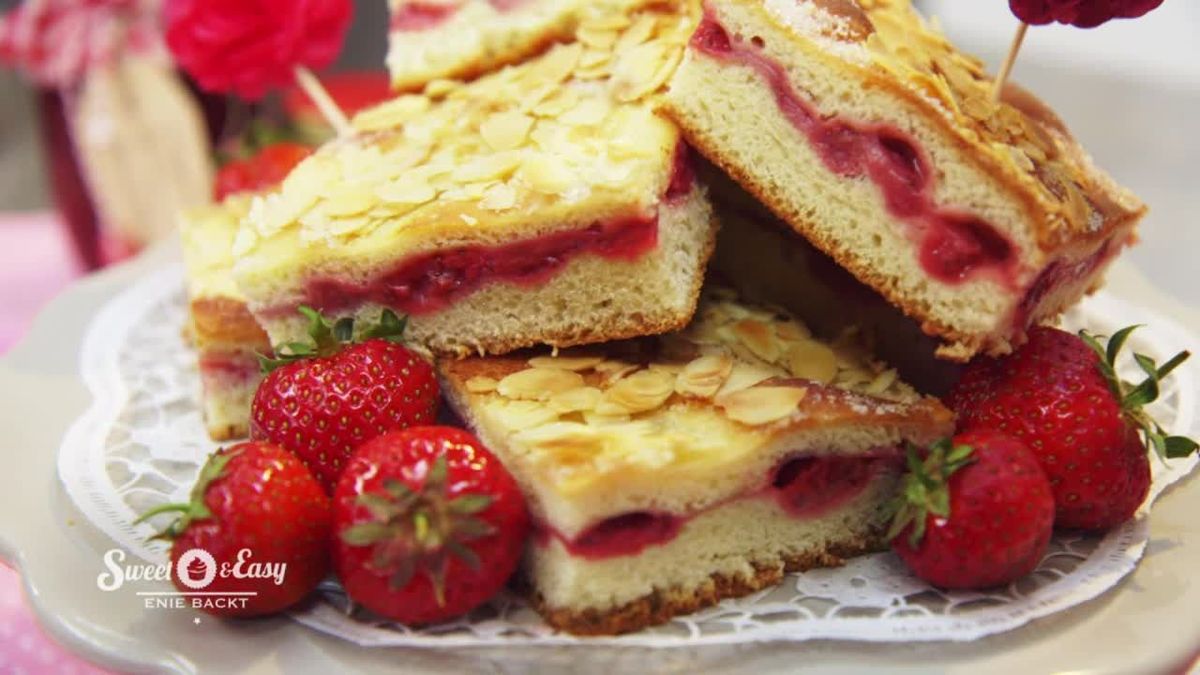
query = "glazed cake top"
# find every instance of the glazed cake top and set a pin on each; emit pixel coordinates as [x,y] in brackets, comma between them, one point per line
[711,408]
[1025,141]
[560,141]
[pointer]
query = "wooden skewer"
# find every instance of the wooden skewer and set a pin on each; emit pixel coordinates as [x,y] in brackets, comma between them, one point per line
[325,103]
[1006,68]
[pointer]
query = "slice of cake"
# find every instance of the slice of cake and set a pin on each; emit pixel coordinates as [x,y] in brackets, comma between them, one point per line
[431,39]
[871,135]
[225,335]
[665,474]
[544,204]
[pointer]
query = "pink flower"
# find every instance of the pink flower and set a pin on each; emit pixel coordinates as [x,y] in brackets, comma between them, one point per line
[247,47]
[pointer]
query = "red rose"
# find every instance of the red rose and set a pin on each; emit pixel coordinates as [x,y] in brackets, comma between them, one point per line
[246,47]
[1080,13]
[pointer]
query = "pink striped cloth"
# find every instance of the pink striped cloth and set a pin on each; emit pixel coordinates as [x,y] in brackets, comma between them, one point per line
[35,264]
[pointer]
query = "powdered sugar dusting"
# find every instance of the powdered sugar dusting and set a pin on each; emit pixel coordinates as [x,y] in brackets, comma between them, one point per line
[834,33]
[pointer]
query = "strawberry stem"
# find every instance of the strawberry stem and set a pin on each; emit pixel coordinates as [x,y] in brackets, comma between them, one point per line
[327,339]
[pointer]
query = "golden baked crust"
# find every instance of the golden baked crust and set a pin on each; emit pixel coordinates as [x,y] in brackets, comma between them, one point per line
[226,322]
[660,607]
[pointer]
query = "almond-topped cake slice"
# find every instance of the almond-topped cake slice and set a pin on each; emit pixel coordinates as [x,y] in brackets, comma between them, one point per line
[666,473]
[224,333]
[544,204]
[431,39]
[860,125]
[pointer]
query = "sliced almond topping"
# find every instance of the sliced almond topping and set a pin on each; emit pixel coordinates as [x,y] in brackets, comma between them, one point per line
[615,370]
[481,385]
[744,376]
[703,377]
[576,400]
[882,382]
[759,338]
[638,33]
[642,391]
[576,363]
[499,197]
[391,114]
[506,130]
[555,66]
[588,112]
[538,384]
[812,361]
[792,331]
[349,202]
[761,405]
[488,167]
[546,173]
[407,189]
[520,414]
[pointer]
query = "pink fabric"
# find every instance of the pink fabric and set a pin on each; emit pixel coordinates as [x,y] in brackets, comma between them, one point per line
[35,264]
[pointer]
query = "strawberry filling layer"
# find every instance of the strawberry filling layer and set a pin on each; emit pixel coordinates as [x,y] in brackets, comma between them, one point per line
[228,365]
[952,246]
[804,487]
[433,281]
[418,16]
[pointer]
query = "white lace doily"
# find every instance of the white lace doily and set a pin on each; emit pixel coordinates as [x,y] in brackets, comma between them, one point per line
[142,442]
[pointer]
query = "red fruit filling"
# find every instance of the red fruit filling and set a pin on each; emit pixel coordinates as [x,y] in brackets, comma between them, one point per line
[433,281]
[952,247]
[1060,273]
[805,487]
[228,365]
[810,486]
[417,16]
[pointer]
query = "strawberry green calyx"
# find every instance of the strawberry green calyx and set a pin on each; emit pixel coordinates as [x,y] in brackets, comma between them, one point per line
[328,338]
[413,530]
[1134,397]
[194,509]
[924,490]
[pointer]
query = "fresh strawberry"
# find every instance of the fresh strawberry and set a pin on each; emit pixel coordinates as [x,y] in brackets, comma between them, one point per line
[1079,13]
[974,513]
[323,400]
[1060,394]
[262,171]
[428,524]
[253,504]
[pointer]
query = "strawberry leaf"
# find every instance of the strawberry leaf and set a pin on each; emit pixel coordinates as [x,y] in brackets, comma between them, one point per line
[470,504]
[1117,342]
[1175,447]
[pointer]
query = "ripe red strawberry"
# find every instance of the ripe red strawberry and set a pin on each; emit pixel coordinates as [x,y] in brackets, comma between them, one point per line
[1060,394]
[262,171]
[428,524]
[975,513]
[253,503]
[1080,13]
[321,401]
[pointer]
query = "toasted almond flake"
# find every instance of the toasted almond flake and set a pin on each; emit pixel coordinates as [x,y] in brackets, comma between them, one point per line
[615,370]
[481,385]
[703,377]
[744,376]
[575,363]
[407,190]
[582,399]
[555,66]
[506,130]
[391,114]
[792,331]
[761,405]
[349,202]
[538,384]
[642,391]
[439,88]
[593,37]
[468,219]
[488,167]
[546,174]
[882,382]
[519,414]
[499,197]
[588,112]
[812,360]
[759,338]
[638,33]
